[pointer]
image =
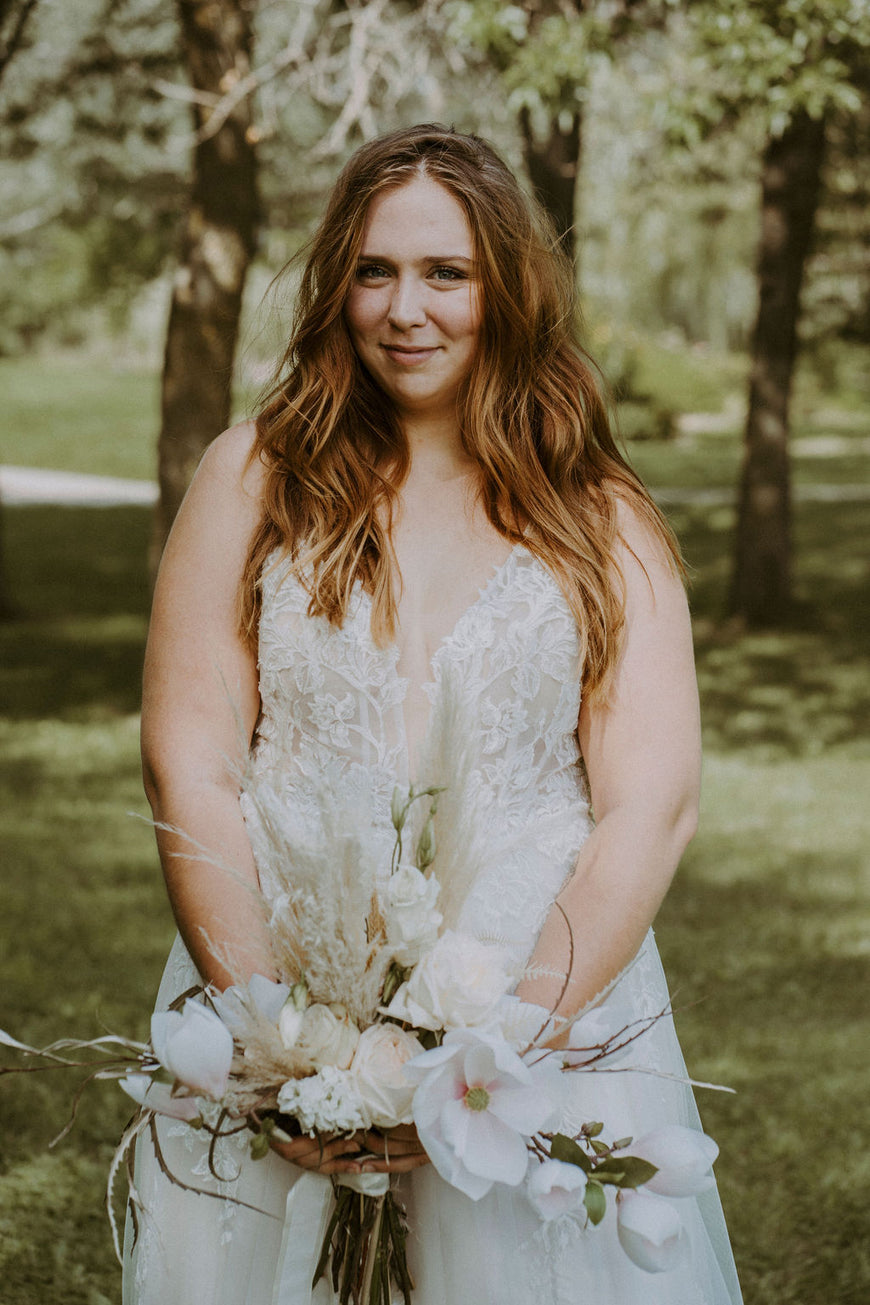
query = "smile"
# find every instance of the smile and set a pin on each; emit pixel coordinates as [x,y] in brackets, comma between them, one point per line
[405,356]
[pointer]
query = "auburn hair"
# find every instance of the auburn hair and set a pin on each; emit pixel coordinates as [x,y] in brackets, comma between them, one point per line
[531,413]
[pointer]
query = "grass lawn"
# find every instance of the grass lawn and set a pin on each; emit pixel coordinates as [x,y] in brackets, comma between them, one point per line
[764,935]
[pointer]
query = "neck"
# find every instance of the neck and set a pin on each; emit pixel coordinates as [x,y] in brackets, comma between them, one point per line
[436,448]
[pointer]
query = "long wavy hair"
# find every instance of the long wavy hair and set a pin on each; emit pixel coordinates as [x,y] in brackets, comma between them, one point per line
[531,412]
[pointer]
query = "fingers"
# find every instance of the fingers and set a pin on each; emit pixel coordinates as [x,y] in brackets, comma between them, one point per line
[395,1152]
[394,1165]
[325,1156]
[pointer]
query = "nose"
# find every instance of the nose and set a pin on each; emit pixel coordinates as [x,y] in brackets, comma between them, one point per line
[407,304]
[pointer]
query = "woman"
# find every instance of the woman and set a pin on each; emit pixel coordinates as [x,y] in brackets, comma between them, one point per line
[430,495]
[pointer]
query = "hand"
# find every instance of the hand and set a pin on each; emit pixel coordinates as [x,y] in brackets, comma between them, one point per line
[327,1154]
[394,1152]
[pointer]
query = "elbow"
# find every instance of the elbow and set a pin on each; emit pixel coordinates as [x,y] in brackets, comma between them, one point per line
[171,780]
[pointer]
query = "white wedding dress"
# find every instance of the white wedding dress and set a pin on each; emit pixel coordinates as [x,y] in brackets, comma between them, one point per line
[332,706]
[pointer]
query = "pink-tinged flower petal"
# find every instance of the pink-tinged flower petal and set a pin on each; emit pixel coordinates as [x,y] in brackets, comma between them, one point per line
[440,1089]
[195,1046]
[526,1109]
[158,1097]
[683,1157]
[453,1171]
[455,1121]
[479,1065]
[555,1189]
[493,1150]
[650,1231]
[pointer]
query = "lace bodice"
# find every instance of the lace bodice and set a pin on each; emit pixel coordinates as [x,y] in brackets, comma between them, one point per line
[333,708]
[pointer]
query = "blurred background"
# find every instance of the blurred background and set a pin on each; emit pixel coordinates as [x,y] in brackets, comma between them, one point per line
[707,165]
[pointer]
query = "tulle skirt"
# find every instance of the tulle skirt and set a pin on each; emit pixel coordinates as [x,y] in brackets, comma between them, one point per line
[188,1248]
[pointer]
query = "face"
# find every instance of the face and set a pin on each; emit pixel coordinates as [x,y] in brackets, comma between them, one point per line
[413,313]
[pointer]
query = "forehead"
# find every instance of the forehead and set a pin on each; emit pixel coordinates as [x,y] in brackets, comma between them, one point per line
[421,216]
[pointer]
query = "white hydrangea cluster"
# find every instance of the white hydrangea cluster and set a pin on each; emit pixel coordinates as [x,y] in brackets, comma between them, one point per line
[326,1102]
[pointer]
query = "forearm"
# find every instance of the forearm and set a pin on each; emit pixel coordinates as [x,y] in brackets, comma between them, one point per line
[212,881]
[605,910]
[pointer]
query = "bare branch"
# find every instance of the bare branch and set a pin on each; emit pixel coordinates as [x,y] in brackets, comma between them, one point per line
[9,47]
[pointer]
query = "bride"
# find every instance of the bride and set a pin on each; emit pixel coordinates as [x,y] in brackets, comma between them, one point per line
[430,494]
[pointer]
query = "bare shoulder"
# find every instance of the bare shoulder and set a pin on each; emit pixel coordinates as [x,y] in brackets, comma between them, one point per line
[231,460]
[649,569]
[223,506]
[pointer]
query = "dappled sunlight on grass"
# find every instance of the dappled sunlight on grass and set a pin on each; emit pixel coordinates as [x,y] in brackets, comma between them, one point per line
[764,934]
[765,939]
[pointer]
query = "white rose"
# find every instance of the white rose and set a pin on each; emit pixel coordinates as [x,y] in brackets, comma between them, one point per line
[410,912]
[328,1036]
[382,1051]
[457,985]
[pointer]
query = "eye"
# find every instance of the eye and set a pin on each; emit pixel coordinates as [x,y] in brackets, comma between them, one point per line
[371,272]
[447,273]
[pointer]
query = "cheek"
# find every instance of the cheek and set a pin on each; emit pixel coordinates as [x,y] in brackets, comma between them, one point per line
[362,312]
[470,315]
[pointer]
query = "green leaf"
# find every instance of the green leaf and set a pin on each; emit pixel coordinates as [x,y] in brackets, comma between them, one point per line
[566,1149]
[600,1148]
[593,1130]
[625,1171]
[595,1201]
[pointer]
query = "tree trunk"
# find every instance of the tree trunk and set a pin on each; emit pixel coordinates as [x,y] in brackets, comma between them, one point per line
[553,165]
[761,583]
[217,244]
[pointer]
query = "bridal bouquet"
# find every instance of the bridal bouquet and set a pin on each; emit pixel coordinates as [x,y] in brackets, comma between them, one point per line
[386,1016]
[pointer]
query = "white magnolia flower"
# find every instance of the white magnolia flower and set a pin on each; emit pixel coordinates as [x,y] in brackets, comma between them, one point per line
[378,1064]
[259,993]
[328,1035]
[158,1097]
[456,985]
[409,908]
[683,1157]
[650,1230]
[555,1188]
[325,1102]
[475,1106]
[195,1046]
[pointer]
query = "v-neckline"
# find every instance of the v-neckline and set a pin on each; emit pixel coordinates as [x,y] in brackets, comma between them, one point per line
[428,686]
[446,639]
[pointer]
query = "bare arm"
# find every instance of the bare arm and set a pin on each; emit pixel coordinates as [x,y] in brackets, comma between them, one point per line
[642,752]
[199,710]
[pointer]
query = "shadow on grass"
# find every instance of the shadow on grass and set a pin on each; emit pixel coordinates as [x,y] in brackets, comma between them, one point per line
[798,690]
[779,1014]
[78,586]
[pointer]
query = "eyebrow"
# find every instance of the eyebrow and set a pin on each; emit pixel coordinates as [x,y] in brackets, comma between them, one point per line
[427,258]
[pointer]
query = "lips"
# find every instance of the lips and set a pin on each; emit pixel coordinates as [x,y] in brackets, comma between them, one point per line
[407,356]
